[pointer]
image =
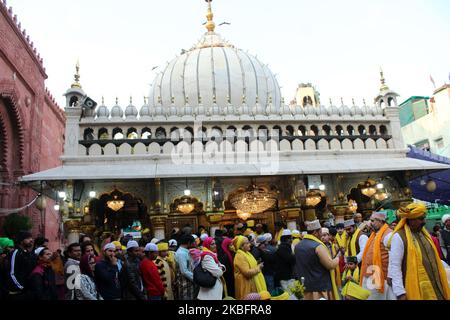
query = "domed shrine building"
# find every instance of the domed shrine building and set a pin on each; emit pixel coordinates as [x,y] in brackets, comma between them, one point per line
[215,144]
[31,127]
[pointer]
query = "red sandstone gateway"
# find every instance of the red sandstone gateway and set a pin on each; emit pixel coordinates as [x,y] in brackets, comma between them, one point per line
[31,125]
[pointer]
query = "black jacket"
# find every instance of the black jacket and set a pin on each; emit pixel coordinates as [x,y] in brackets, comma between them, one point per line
[43,284]
[131,281]
[285,262]
[19,266]
[107,280]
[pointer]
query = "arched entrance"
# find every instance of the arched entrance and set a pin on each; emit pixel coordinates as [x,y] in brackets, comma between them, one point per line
[118,212]
[11,149]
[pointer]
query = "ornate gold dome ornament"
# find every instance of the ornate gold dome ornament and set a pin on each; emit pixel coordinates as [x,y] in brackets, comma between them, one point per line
[210,25]
[77,84]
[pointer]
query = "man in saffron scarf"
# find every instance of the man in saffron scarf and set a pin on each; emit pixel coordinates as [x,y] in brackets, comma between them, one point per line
[375,260]
[416,271]
[247,272]
[356,240]
[316,265]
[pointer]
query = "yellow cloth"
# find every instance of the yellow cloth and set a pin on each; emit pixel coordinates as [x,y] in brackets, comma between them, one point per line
[412,211]
[246,275]
[163,246]
[342,239]
[117,244]
[278,235]
[417,284]
[376,255]
[352,246]
[284,296]
[332,272]
[354,274]
[265,295]
[355,291]
[338,269]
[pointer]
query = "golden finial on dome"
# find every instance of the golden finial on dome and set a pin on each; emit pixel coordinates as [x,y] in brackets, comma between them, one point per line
[145,100]
[383,81]
[210,25]
[131,100]
[103,100]
[77,84]
[117,101]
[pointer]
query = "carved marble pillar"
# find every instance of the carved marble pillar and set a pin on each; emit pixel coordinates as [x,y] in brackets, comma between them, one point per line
[159,226]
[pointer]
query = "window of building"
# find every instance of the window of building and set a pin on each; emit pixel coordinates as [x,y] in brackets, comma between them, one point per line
[424,145]
[439,143]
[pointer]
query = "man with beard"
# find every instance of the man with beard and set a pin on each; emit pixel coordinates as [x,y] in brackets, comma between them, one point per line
[72,269]
[21,263]
[356,240]
[107,274]
[375,260]
[132,286]
[416,271]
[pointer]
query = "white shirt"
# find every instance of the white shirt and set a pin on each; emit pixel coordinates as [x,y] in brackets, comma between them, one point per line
[395,272]
[217,270]
[362,241]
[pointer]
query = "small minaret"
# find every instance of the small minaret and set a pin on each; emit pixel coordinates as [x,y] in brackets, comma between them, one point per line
[74,96]
[386,97]
[387,100]
[307,95]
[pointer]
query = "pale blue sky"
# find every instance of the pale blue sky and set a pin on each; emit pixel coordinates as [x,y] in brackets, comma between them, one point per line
[337,45]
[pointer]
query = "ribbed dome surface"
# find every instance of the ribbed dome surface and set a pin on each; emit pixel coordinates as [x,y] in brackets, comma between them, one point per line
[214,68]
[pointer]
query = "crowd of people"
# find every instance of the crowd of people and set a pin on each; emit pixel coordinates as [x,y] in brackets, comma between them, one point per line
[352,260]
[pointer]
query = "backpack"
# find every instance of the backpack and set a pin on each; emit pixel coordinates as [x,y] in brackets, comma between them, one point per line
[203,278]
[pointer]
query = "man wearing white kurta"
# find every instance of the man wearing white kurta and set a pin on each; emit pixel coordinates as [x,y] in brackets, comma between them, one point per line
[375,260]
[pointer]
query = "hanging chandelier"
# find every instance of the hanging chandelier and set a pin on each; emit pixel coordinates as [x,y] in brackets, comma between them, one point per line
[313,198]
[186,205]
[252,200]
[368,188]
[115,204]
[243,215]
[353,206]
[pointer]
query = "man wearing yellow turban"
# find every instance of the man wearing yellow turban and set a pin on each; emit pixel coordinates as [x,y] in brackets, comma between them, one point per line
[415,268]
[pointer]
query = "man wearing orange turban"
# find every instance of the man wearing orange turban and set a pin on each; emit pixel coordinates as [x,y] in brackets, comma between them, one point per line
[415,268]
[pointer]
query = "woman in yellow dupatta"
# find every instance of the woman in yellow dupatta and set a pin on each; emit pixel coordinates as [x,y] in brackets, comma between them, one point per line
[418,285]
[247,272]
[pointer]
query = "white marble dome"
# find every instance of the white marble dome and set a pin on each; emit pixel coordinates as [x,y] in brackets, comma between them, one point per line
[213,67]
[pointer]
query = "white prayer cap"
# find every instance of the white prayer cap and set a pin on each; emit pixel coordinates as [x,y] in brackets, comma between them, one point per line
[325,230]
[313,225]
[445,218]
[194,236]
[39,250]
[260,239]
[132,244]
[379,215]
[286,232]
[268,236]
[349,223]
[173,243]
[154,240]
[151,247]
[204,236]
[109,246]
